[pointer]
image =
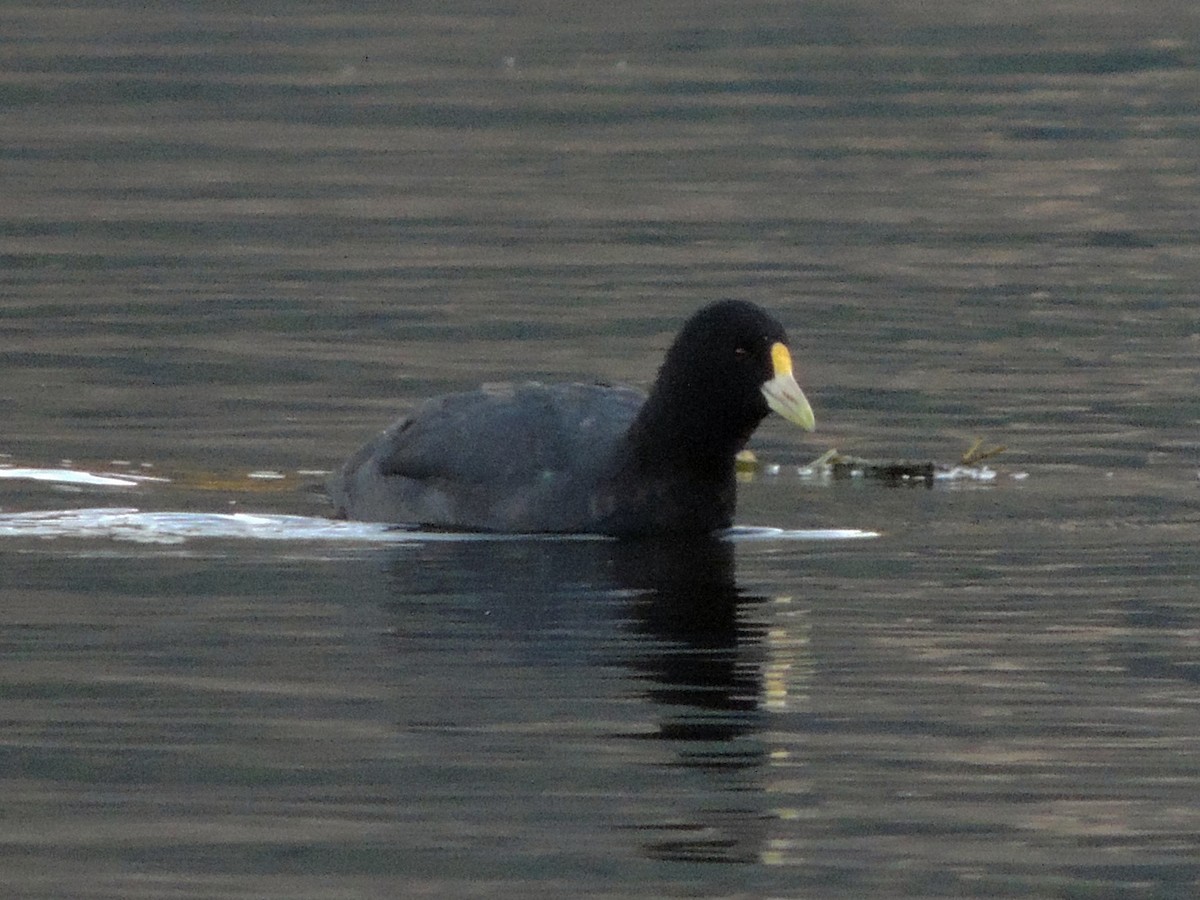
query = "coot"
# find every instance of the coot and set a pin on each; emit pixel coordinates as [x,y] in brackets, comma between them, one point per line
[587,457]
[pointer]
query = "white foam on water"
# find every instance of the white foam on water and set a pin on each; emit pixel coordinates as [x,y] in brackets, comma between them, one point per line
[177,527]
[77,477]
[69,476]
[763,533]
[129,524]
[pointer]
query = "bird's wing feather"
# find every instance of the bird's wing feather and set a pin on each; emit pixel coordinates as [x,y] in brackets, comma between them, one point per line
[508,434]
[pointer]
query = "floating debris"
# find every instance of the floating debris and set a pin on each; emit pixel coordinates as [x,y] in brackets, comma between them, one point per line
[838,466]
[975,454]
[841,466]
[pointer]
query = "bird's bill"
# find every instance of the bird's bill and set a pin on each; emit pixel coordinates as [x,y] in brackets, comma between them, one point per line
[782,393]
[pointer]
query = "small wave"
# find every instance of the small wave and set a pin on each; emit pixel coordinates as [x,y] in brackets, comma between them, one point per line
[75,476]
[177,527]
[763,533]
[124,524]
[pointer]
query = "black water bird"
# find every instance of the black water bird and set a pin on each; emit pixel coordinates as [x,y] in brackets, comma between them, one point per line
[587,457]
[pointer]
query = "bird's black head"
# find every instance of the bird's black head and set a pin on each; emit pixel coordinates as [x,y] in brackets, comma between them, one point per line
[728,367]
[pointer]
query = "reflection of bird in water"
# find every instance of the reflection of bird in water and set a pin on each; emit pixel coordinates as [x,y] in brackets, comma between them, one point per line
[587,457]
[695,648]
[692,605]
[713,654]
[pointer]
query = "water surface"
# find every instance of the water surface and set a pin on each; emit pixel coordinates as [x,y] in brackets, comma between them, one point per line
[235,244]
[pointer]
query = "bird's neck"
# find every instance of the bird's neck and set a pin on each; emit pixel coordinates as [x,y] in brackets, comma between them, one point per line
[670,434]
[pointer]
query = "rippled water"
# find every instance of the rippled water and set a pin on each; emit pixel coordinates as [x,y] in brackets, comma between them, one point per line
[235,243]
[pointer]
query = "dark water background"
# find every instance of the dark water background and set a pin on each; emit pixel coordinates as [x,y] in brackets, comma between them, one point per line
[239,240]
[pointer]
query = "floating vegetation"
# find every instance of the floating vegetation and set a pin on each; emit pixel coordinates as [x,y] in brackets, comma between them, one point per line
[975,454]
[838,466]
